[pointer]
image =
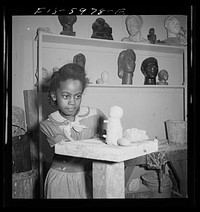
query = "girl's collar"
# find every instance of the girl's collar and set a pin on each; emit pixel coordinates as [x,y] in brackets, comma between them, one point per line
[83,112]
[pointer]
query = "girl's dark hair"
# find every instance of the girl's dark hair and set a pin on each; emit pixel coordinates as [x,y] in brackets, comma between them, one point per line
[68,71]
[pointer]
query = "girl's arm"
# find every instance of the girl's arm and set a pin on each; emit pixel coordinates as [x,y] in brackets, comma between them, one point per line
[53,133]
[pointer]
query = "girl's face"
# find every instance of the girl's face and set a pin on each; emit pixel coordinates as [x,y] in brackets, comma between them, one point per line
[68,97]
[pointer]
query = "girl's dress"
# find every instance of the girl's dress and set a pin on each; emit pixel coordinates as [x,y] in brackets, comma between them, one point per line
[70,177]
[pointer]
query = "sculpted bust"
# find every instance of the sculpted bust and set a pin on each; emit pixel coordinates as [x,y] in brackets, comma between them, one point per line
[173,27]
[67,22]
[101,30]
[126,65]
[149,68]
[133,25]
[80,59]
[163,77]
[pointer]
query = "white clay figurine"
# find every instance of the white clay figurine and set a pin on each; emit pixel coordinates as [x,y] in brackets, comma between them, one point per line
[114,127]
[104,78]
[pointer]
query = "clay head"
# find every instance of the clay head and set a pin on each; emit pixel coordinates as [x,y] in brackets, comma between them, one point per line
[172,25]
[80,59]
[149,67]
[126,62]
[133,24]
[163,75]
[67,20]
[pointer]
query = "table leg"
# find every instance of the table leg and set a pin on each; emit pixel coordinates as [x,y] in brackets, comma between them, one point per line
[108,179]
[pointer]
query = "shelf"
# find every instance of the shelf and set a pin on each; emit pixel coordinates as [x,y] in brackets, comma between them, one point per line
[93,42]
[45,88]
[135,86]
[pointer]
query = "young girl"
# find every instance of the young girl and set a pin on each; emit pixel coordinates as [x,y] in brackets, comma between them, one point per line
[69,177]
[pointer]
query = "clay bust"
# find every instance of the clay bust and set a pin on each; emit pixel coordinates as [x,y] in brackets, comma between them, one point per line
[67,22]
[151,36]
[149,68]
[173,27]
[133,25]
[80,59]
[163,77]
[101,30]
[104,78]
[126,65]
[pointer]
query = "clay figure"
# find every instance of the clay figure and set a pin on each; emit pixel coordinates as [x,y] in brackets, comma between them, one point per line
[104,78]
[149,68]
[80,59]
[67,22]
[163,77]
[101,30]
[126,65]
[45,76]
[151,36]
[183,36]
[114,126]
[55,68]
[133,25]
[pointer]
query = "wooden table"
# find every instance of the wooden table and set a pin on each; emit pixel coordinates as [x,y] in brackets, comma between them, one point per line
[109,162]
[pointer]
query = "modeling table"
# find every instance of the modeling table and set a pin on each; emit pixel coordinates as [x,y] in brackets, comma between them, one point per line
[108,162]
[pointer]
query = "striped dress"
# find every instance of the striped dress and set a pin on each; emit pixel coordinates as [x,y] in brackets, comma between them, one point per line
[70,177]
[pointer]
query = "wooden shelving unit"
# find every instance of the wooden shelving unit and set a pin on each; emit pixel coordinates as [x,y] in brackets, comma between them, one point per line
[56,50]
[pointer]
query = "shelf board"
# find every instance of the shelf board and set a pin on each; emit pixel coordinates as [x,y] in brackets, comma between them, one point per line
[45,88]
[93,42]
[136,86]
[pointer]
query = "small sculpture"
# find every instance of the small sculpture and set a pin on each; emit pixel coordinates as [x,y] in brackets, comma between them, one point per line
[132,135]
[114,127]
[163,77]
[104,78]
[135,135]
[101,30]
[67,22]
[173,27]
[55,69]
[183,36]
[45,76]
[149,69]
[133,25]
[80,59]
[151,36]
[126,65]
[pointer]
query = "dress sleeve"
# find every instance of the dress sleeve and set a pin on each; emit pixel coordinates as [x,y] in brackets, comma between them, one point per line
[53,133]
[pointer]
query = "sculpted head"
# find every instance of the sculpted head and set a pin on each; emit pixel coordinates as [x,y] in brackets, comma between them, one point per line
[133,24]
[172,25]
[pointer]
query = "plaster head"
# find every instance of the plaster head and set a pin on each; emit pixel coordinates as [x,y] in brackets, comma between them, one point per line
[133,24]
[172,24]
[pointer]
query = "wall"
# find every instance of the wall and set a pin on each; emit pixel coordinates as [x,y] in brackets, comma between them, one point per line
[24,57]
